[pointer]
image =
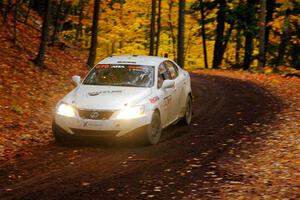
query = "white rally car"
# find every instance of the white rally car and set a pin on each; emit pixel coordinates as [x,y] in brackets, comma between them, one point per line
[124,95]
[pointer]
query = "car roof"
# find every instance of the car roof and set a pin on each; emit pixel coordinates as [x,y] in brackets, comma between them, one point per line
[134,59]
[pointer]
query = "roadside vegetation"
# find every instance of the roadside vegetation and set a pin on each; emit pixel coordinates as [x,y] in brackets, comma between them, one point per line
[45,42]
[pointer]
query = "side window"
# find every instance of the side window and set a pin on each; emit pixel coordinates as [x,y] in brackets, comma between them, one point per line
[172,69]
[163,74]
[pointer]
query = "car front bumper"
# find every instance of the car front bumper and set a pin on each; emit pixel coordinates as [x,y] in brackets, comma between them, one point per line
[101,128]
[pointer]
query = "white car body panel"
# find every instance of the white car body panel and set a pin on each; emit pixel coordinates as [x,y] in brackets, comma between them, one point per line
[170,102]
[111,98]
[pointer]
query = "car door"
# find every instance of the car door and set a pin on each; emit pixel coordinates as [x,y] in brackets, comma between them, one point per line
[177,103]
[167,95]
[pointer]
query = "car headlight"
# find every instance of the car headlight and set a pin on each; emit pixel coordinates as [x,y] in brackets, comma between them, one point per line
[131,112]
[65,110]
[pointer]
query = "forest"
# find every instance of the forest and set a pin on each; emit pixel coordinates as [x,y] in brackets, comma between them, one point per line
[243,58]
[256,35]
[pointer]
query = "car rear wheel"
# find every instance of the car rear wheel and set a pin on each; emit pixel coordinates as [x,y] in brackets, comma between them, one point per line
[153,132]
[187,119]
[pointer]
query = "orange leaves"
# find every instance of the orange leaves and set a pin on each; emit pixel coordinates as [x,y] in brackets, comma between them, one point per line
[28,94]
[269,163]
[17,109]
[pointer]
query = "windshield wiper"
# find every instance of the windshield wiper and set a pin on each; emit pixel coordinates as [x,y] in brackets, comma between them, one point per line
[128,84]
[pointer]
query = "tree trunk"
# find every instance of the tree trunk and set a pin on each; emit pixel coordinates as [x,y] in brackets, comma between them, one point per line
[79,27]
[269,17]
[172,29]
[262,33]
[248,51]
[39,60]
[56,24]
[295,56]
[28,11]
[238,47]
[203,34]
[16,7]
[122,24]
[152,28]
[181,24]
[249,35]
[217,60]
[227,38]
[113,47]
[1,6]
[158,28]
[6,10]
[94,43]
[284,38]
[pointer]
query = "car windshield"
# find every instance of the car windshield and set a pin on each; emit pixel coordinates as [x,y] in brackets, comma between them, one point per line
[121,75]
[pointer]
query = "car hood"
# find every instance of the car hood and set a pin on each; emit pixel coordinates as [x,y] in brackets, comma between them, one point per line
[109,97]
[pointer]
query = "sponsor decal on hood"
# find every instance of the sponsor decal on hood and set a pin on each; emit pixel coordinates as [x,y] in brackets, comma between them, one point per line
[110,98]
[95,93]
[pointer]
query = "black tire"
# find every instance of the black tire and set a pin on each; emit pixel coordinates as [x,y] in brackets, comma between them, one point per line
[153,131]
[59,134]
[187,118]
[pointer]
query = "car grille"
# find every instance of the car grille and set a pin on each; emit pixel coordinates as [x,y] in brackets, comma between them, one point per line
[95,114]
[100,133]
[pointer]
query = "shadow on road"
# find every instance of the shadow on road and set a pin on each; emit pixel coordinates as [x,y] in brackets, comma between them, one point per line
[228,113]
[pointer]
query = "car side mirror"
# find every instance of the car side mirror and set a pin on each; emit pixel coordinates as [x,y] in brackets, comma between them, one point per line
[76,79]
[168,84]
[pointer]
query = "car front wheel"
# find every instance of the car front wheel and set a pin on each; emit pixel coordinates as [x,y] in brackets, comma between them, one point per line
[59,135]
[154,130]
[188,112]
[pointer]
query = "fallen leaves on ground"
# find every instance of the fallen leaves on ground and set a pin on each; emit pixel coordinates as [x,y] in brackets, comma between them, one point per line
[267,167]
[28,93]
[264,167]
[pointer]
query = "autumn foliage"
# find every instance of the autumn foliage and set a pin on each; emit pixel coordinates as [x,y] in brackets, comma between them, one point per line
[237,34]
[262,163]
[28,93]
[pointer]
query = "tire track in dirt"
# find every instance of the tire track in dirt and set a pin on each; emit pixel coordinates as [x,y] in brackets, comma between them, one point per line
[223,108]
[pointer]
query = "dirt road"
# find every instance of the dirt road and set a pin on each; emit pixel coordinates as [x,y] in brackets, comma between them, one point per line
[223,109]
